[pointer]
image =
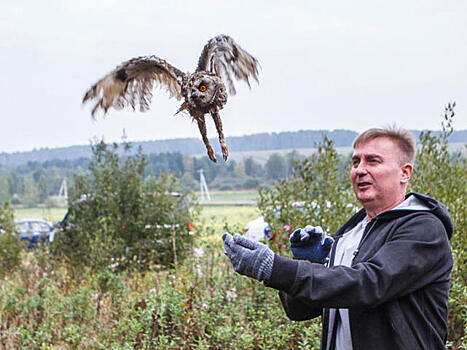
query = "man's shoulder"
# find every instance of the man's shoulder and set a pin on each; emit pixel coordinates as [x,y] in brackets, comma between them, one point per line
[416,226]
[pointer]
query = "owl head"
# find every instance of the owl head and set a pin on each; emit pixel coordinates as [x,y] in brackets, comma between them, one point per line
[204,92]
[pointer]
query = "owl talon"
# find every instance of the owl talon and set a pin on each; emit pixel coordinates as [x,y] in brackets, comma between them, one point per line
[212,157]
[204,91]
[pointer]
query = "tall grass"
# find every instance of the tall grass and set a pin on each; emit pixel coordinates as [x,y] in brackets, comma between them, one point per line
[200,304]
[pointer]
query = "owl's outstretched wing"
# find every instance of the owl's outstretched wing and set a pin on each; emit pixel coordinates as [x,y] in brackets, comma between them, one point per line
[225,58]
[131,84]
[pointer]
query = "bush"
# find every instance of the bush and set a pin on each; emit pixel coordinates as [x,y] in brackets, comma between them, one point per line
[443,176]
[201,304]
[116,219]
[10,246]
[250,183]
[322,192]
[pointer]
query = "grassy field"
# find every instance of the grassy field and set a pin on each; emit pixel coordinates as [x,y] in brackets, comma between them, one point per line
[224,209]
[215,216]
[235,217]
[49,214]
[247,196]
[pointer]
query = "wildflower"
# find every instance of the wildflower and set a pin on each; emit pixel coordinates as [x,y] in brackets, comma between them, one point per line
[198,252]
[231,294]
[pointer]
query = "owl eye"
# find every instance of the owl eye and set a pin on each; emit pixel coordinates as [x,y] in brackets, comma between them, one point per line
[202,88]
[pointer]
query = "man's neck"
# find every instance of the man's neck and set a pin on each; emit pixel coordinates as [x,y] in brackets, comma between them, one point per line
[373,212]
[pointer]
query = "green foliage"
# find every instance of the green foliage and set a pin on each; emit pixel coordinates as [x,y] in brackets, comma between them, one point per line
[443,176]
[201,304]
[117,219]
[10,246]
[275,166]
[316,194]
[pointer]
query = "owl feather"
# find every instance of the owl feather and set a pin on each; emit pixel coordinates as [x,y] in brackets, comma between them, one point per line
[131,84]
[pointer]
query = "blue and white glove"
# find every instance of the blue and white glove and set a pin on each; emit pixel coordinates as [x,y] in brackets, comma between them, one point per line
[310,243]
[249,258]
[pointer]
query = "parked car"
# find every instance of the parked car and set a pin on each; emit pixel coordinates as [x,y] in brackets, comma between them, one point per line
[257,229]
[34,232]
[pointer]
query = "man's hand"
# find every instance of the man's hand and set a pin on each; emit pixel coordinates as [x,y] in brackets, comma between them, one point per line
[249,258]
[310,243]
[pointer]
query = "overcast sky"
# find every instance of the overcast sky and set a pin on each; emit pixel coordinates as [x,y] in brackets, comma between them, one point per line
[324,65]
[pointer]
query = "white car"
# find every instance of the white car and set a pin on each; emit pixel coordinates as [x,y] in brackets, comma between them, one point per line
[257,230]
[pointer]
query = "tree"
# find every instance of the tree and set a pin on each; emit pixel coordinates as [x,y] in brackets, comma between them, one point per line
[316,194]
[275,167]
[117,218]
[4,189]
[253,168]
[42,188]
[30,196]
[443,175]
[10,252]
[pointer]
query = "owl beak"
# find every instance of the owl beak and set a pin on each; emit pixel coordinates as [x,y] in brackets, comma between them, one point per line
[196,95]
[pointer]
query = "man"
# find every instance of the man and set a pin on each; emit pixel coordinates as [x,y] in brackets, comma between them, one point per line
[386,286]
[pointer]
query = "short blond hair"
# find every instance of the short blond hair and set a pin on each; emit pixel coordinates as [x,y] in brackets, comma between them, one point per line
[403,138]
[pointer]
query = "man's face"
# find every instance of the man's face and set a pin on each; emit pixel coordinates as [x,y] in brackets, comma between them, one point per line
[378,178]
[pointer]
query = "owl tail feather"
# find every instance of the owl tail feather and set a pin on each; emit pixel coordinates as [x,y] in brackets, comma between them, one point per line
[183,107]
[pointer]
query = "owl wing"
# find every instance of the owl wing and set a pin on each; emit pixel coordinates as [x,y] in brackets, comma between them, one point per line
[131,83]
[225,58]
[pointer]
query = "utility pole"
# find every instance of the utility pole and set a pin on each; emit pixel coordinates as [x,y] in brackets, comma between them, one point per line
[63,191]
[204,192]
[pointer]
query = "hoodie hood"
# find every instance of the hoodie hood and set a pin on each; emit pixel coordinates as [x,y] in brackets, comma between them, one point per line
[432,206]
[438,209]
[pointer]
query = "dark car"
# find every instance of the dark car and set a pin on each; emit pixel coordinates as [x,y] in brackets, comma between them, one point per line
[34,232]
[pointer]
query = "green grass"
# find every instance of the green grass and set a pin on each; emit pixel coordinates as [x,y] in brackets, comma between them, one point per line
[235,217]
[214,216]
[233,196]
[49,214]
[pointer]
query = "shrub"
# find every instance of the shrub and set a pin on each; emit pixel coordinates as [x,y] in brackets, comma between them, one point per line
[117,219]
[443,176]
[316,194]
[10,246]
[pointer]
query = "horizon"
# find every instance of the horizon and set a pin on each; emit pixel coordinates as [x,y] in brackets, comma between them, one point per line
[214,138]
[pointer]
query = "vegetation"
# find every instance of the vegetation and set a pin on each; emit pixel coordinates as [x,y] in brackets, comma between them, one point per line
[444,176]
[31,178]
[10,247]
[198,302]
[115,218]
[37,183]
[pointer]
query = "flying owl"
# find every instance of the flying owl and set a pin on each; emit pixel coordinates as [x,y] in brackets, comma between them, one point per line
[204,91]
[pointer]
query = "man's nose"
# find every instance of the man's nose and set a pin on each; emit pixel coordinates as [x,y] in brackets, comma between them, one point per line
[361,169]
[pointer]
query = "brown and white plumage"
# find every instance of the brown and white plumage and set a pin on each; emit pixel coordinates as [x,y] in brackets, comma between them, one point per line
[204,92]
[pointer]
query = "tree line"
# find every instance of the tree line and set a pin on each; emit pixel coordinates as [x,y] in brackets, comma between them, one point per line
[255,142]
[32,182]
[37,182]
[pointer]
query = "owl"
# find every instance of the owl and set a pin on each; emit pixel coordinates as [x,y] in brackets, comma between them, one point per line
[203,92]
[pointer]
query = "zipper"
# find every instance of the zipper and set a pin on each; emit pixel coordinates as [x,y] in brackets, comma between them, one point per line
[330,262]
[366,233]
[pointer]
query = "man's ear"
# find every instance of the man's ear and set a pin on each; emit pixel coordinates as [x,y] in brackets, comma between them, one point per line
[406,172]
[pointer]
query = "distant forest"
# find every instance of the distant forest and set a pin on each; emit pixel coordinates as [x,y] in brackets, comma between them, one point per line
[302,139]
[32,178]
